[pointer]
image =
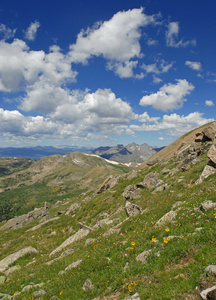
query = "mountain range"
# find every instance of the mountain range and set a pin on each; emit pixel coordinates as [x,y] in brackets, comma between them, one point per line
[130,153]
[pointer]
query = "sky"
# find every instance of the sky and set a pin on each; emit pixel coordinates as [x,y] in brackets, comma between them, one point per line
[97,73]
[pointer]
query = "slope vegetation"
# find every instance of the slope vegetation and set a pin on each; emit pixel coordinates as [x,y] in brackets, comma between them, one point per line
[148,235]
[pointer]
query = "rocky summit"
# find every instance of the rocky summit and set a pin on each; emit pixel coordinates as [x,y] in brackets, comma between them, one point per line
[100,230]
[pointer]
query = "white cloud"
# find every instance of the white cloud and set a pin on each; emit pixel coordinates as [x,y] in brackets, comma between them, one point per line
[31,31]
[158,68]
[6,32]
[174,125]
[194,65]
[152,42]
[169,97]
[209,103]
[172,36]
[20,67]
[156,79]
[116,39]
[123,69]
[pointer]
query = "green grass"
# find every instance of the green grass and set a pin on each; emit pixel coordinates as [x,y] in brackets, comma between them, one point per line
[173,270]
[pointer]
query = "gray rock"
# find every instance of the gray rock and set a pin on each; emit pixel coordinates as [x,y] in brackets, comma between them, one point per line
[132,175]
[72,208]
[131,192]
[164,171]
[5,296]
[23,220]
[212,152]
[207,171]
[32,286]
[71,266]
[12,269]
[167,218]
[211,269]
[150,181]
[207,205]
[134,297]
[89,241]
[111,231]
[209,293]
[43,223]
[4,263]
[143,256]
[2,279]
[102,223]
[72,239]
[132,209]
[39,293]
[88,285]
[109,183]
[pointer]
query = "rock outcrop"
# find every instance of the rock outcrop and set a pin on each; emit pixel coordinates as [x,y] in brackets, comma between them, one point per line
[19,222]
[10,259]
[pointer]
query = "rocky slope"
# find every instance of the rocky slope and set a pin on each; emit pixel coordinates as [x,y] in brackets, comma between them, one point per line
[149,234]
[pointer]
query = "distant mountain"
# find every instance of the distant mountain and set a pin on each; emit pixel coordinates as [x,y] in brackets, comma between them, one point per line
[40,151]
[130,153]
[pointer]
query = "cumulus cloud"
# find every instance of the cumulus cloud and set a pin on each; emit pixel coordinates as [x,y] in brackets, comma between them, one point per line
[194,65]
[172,37]
[31,31]
[169,97]
[116,39]
[209,103]
[20,67]
[174,125]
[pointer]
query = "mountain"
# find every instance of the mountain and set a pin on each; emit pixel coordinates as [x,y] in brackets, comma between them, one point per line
[142,233]
[39,151]
[130,153]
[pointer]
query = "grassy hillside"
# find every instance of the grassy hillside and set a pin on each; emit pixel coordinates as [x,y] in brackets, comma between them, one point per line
[121,255]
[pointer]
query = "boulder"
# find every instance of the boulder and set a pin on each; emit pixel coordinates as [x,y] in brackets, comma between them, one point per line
[131,192]
[207,171]
[109,183]
[209,293]
[210,131]
[71,266]
[2,279]
[167,218]
[133,297]
[212,152]
[72,208]
[72,239]
[150,181]
[88,285]
[5,296]
[10,259]
[143,256]
[20,221]
[132,209]
[207,205]
[211,269]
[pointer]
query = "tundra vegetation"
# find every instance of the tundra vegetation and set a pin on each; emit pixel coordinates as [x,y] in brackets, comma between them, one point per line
[143,233]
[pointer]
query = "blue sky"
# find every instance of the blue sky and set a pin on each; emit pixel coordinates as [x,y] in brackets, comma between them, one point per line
[96,73]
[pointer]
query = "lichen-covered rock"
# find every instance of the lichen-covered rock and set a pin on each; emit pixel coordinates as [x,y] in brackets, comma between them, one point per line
[109,183]
[209,293]
[167,218]
[143,256]
[20,221]
[4,263]
[150,181]
[131,192]
[132,209]
[72,208]
[133,297]
[88,285]
[72,239]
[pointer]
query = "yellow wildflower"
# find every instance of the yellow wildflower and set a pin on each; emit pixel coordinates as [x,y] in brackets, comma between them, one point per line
[130,290]
[167,229]
[165,241]
[168,238]
[153,239]
[132,282]
[61,292]
[132,243]
[15,293]
[135,283]
[131,248]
